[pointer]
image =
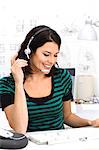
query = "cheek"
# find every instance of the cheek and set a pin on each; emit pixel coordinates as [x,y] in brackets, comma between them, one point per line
[35,59]
[41,58]
[38,60]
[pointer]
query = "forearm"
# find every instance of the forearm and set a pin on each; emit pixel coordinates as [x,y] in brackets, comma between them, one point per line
[76,121]
[20,113]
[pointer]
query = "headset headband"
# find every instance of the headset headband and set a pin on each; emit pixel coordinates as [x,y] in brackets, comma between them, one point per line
[41,30]
[28,51]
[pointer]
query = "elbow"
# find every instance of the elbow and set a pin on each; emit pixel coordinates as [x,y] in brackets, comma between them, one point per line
[68,119]
[19,129]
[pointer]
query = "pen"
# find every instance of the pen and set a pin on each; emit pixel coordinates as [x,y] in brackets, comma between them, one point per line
[37,141]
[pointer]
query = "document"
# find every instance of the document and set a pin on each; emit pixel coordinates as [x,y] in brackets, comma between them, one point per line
[64,136]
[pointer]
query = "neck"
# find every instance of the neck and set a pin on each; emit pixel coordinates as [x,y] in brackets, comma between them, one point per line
[36,76]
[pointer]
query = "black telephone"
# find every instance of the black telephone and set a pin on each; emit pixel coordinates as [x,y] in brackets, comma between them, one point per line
[12,140]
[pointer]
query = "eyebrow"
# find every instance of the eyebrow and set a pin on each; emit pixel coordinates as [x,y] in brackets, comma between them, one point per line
[50,52]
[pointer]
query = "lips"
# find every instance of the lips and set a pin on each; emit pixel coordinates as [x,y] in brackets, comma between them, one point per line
[46,69]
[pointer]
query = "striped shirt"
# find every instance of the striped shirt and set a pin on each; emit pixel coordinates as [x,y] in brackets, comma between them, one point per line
[45,113]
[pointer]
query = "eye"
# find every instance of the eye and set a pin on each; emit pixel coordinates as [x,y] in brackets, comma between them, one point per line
[55,55]
[45,54]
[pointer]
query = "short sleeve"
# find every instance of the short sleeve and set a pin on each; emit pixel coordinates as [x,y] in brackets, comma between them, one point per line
[6,92]
[67,81]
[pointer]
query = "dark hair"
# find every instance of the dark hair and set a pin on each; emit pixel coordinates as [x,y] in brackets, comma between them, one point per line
[37,37]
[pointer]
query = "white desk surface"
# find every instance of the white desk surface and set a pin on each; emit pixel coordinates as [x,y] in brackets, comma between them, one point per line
[91,144]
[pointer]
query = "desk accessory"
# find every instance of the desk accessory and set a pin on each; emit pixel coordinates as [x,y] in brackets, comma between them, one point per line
[12,140]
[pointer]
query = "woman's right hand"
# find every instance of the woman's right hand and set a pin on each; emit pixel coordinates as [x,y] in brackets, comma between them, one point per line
[95,123]
[16,69]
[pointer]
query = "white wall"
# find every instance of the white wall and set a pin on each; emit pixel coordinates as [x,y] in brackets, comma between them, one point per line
[67,17]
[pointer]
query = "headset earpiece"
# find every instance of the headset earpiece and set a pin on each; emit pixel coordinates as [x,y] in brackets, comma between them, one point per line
[27,52]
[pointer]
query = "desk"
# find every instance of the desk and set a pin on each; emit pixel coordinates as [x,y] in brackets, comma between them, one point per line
[91,144]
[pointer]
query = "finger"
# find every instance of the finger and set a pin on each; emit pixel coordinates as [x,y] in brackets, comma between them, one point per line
[90,122]
[20,63]
[13,58]
[94,123]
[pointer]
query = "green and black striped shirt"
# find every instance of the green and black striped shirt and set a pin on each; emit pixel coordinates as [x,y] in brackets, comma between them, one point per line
[45,113]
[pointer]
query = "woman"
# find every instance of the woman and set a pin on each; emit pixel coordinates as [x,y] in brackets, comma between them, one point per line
[37,95]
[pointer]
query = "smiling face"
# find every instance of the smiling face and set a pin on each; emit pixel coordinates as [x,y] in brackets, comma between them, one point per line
[44,58]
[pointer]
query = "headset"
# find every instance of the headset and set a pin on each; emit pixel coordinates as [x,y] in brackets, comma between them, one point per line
[27,51]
